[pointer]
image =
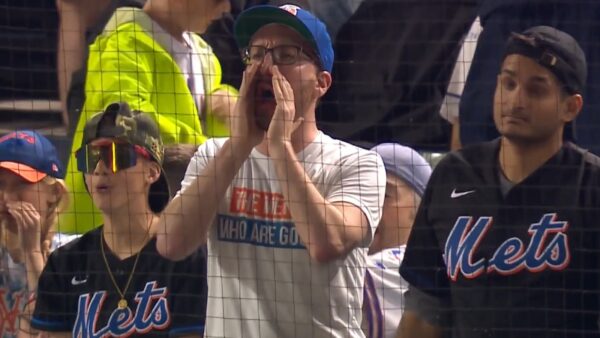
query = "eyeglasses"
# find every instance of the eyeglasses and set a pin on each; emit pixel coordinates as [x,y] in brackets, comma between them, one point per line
[282,55]
[116,156]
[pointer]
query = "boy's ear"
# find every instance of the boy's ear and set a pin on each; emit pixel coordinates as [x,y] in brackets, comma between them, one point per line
[153,172]
[57,192]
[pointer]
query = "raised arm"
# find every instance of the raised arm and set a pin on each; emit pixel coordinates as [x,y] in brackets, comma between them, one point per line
[187,219]
[76,16]
[328,229]
[329,226]
[33,254]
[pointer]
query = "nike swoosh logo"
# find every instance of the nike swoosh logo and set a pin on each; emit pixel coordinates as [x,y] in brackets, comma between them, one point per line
[456,194]
[76,281]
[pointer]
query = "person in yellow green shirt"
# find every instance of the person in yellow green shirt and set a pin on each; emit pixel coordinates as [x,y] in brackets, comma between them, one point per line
[150,58]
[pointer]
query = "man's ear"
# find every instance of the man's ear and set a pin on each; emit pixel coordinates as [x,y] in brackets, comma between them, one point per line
[574,105]
[323,82]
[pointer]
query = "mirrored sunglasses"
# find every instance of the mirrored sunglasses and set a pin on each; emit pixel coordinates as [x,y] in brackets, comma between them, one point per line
[116,156]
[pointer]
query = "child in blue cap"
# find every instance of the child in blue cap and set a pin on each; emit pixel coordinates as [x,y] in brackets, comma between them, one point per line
[32,192]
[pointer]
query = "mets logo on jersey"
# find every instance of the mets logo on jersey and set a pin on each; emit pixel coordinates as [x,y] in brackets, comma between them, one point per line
[10,309]
[151,313]
[548,248]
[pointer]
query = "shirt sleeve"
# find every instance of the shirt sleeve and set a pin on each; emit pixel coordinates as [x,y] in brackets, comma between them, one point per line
[206,152]
[51,312]
[361,182]
[423,266]
[189,290]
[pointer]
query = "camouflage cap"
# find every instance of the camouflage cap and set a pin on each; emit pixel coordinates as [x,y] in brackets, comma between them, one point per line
[119,122]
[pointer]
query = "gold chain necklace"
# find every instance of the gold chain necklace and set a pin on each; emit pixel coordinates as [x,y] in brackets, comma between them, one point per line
[122,304]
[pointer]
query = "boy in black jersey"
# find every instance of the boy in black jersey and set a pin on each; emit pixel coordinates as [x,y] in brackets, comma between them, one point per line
[505,243]
[111,281]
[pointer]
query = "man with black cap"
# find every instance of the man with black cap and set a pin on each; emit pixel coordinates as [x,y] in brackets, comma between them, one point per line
[288,212]
[580,19]
[505,243]
[111,282]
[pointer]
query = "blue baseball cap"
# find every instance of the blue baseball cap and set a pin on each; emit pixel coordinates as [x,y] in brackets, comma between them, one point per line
[30,155]
[300,20]
[406,164]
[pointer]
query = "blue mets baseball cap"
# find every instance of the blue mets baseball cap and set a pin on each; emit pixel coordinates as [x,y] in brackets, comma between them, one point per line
[406,164]
[30,155]
[300,20]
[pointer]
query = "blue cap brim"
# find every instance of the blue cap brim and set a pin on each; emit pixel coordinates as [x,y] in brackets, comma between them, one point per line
[253,19]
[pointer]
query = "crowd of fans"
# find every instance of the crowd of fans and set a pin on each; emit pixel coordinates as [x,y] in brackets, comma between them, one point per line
[207,191]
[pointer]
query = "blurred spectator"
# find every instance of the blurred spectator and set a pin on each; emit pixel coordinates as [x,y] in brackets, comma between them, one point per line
[77,20]
[149,57]
[394,61]
[449,108]
[407,175]
[334,13]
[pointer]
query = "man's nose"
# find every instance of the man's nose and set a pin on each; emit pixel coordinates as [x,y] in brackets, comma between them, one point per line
[518,99]
[266,64]
[511,99]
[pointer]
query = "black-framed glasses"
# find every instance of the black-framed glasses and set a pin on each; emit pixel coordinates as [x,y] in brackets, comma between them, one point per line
[282,54]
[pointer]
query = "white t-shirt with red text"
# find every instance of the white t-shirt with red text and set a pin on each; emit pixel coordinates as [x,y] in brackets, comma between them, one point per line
[262,282]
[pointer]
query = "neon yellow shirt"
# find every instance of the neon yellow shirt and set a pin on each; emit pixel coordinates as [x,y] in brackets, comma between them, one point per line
[132,61]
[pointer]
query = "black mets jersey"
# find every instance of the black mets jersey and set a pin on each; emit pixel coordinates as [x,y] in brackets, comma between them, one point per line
[523,263]
[76,293]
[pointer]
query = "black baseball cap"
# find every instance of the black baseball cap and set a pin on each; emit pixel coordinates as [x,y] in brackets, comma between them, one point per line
[554,49]
[121,123]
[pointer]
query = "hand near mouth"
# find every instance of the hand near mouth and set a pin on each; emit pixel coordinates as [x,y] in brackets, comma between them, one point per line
[29,225]
[283,123]
[243,128]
